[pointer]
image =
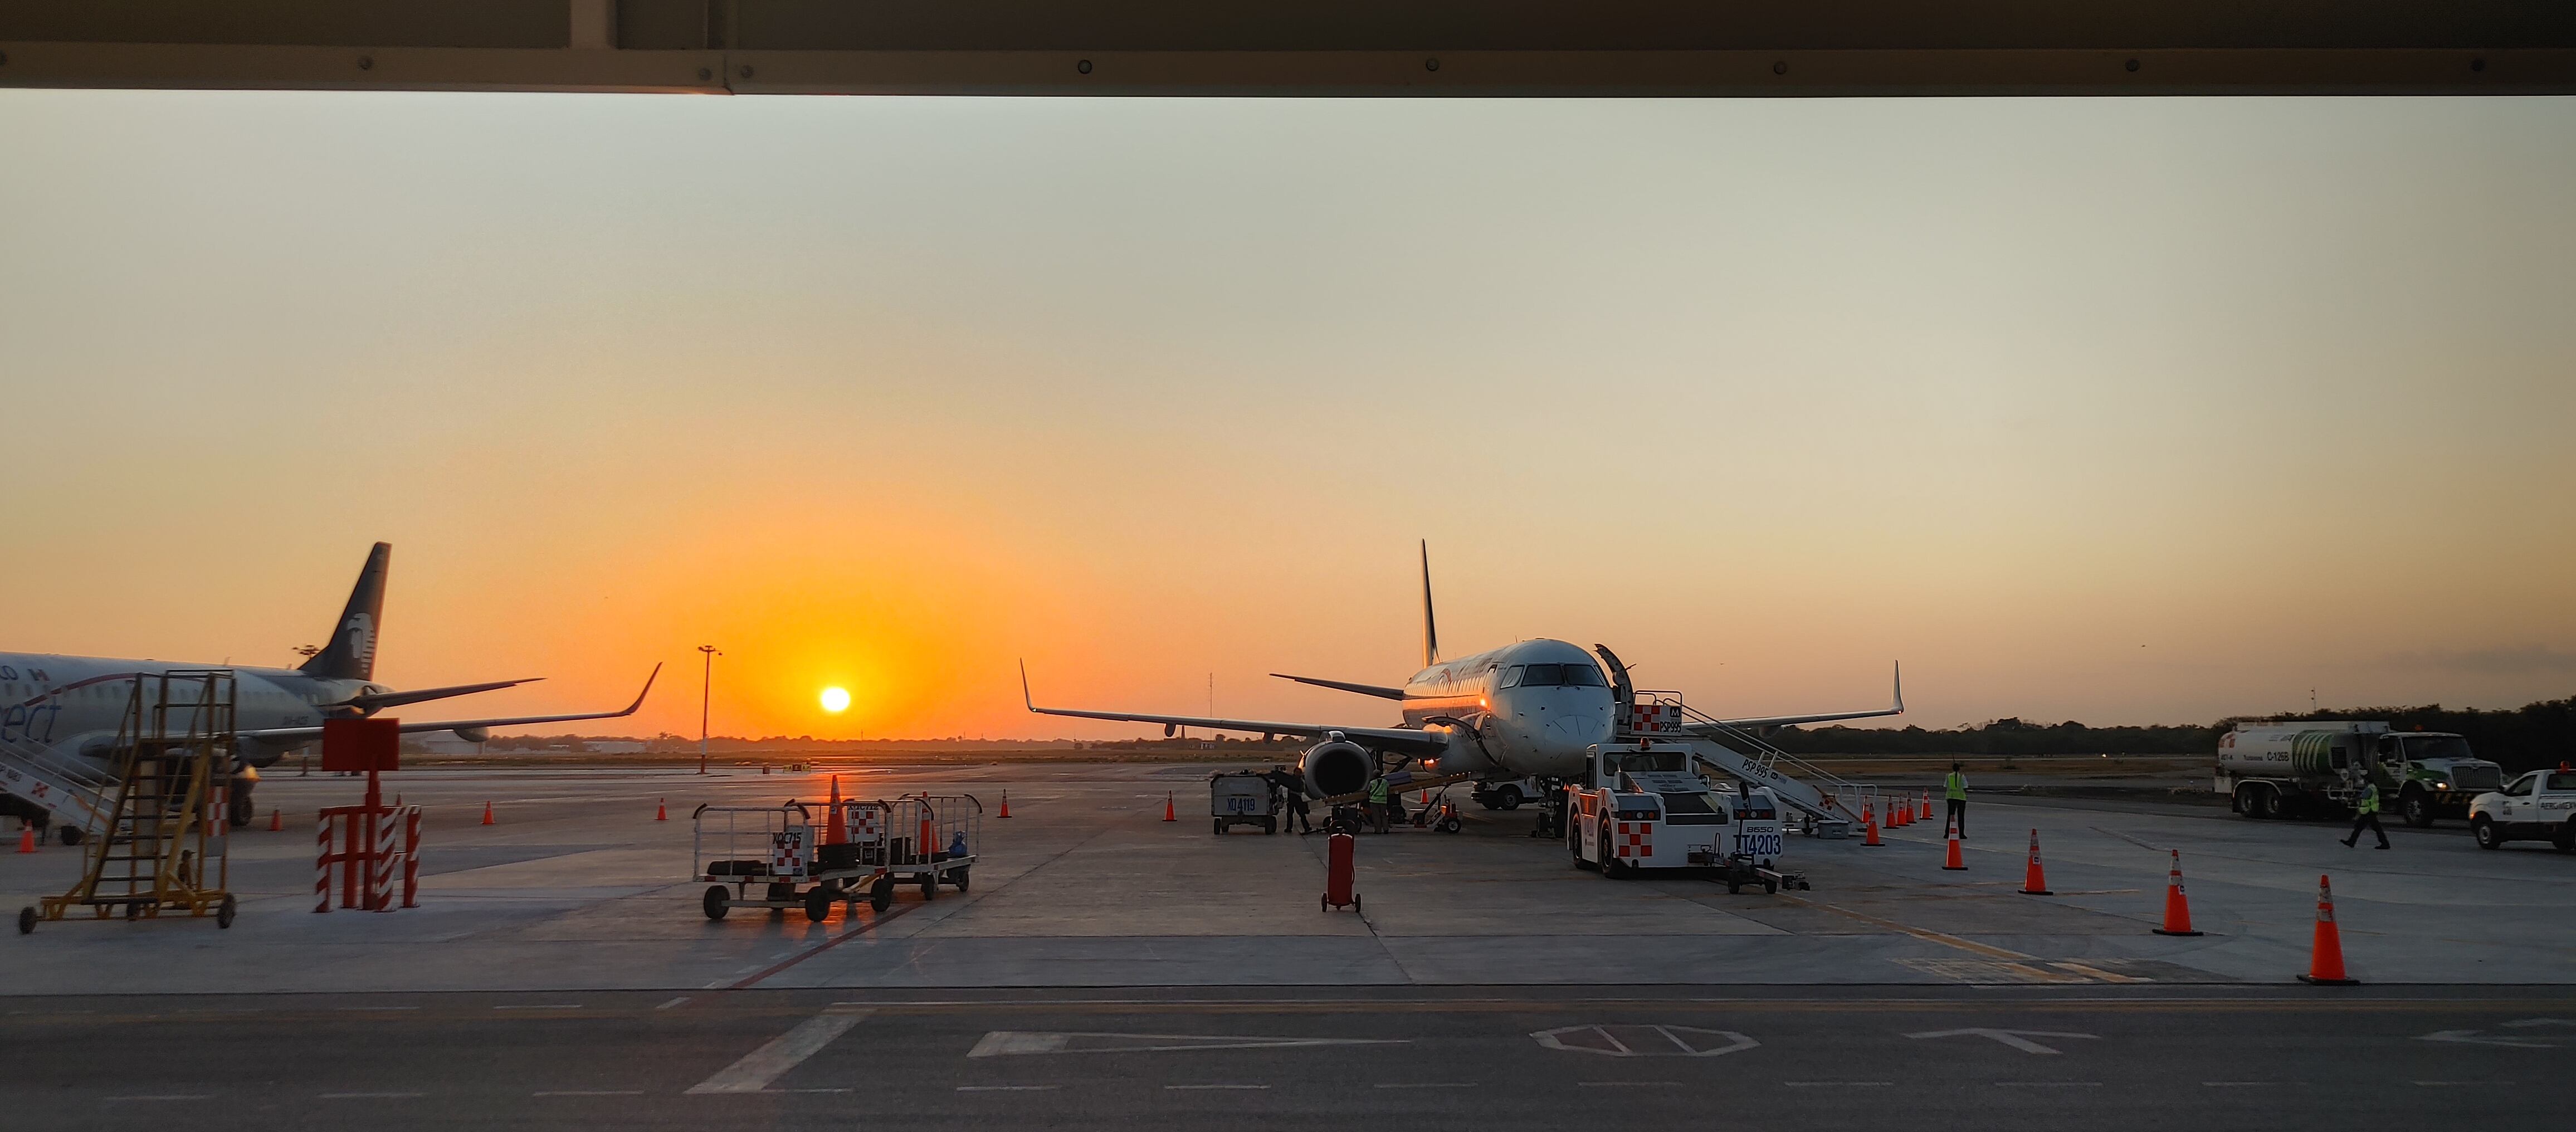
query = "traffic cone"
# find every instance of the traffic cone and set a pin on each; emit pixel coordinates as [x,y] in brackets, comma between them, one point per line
[26,837]
[1868,826]
[1903,815]
[2178,909]
[1168,815]
[276,820]
[661,809]
[2035,882]
[1927,807]
[1006,803]
[832,833]
[487,813]
[1955,863]
[2325,967]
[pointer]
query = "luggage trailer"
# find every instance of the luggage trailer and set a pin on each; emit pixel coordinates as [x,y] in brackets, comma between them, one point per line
[1640,807]
[928,840]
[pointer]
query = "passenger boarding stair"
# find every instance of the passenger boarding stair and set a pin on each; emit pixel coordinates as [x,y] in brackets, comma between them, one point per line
[1829,802]
[70,789]
[162,844]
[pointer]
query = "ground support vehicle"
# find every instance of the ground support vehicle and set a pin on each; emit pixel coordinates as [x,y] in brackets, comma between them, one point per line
[1507,794]
[925,840]
[1243,797]
[1640,807]
[2539,806]
[2318,768]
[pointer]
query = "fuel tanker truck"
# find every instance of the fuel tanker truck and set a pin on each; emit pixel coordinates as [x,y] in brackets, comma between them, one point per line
[2317,768]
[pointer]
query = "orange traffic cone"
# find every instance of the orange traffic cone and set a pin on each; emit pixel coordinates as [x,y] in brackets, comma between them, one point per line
[1903,815]
[1868,826]
[1006,803]
[1927,808]
[2178,909]
[276,820]
[1168,815]
[26,837]
[661,809]
[1955,863]
[2035,882]
[487,813]
[832,832]
[2325,967]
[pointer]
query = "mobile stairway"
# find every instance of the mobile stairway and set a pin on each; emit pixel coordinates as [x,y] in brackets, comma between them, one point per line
[160,844]
[1828,804]
[54,790]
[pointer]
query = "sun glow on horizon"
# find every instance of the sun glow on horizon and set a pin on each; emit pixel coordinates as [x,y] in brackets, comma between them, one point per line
[836,700]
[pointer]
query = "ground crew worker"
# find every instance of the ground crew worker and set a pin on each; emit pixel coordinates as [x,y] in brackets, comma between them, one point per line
[1377,803]
[2366,813]
[1294,792]
[1954,790]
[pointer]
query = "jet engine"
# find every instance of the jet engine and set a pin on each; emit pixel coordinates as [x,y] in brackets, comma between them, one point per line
[1335,767]
[473,734]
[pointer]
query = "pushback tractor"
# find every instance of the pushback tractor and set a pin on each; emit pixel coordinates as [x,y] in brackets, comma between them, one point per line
[1642,807]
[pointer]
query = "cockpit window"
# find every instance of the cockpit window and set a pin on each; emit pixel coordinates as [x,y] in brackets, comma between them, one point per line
[1584,676]
[1543,676]
[1511,677]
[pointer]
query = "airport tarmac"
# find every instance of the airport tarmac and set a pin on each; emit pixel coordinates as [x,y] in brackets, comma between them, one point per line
[577,888]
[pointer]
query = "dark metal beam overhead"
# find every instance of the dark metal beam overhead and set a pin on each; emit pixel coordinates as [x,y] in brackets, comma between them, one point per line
[1303,47]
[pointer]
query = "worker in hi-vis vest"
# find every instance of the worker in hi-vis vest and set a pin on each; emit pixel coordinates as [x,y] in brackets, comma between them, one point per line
[1377,803]
[2365,815]
[1954,789]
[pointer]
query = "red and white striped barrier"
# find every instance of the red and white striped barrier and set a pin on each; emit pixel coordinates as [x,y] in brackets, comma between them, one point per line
[373,843]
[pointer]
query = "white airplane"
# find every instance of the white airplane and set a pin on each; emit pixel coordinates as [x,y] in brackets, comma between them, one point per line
[1526,710]
[71,706]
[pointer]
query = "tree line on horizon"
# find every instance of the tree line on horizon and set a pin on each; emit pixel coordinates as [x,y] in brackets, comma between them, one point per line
[2538,734]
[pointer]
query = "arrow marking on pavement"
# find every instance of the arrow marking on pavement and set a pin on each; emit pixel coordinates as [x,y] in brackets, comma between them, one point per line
[2018,1039]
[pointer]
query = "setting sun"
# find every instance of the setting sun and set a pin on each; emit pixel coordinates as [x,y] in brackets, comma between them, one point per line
[836,700]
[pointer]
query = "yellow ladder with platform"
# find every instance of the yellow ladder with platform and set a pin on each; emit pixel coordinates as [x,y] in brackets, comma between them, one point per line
[163,847]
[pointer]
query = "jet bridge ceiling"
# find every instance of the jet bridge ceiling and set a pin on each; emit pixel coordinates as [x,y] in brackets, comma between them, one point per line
[1656,48]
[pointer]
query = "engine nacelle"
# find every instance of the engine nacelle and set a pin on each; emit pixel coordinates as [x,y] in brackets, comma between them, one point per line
[473,734]
[1336,767]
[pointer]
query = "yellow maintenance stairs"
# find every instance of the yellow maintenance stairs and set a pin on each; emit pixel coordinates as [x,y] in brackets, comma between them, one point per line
[162,847]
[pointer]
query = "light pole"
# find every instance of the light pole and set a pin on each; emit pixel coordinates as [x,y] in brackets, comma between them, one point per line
[706,690]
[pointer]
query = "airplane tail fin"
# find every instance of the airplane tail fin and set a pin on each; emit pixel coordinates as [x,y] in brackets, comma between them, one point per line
[1430,626]
[351,655]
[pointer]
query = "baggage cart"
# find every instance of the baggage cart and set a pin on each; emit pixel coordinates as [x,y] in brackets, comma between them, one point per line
[1242,797]
[927,840]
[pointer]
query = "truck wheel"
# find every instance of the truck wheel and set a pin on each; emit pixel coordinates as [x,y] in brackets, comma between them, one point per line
[930,886]
[714,902]
[2267,803]
[2566,839]
[2417,808]
[1576,852]
[881,894]
[2484,829]
[1508,798]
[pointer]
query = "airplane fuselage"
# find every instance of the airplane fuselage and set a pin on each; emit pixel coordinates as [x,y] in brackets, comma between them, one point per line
[74,704]
[1528,708]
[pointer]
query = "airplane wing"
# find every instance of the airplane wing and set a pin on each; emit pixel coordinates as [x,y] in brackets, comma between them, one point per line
[1390,738]
[281,734]
[1785,720]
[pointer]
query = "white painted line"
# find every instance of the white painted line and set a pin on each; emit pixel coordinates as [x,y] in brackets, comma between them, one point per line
[1182,1088]
[375,1008]
[758,1068]
[1006,1088]
[592,1093]
[677,1001]
[370,1096]
[782,1092]
[545,1006]
[2237,1084]
[166,1097]
[1627,1084]
[1838,1084]
[2048,1084]
[1427,1085]
[2442,1084]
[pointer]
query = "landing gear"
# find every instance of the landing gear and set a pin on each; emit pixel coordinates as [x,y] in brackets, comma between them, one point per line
[240,811]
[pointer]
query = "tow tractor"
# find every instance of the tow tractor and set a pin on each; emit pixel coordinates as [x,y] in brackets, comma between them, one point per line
[921,839]
[1641,807]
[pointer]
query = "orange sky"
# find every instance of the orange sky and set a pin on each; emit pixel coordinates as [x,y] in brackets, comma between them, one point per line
[2117,410]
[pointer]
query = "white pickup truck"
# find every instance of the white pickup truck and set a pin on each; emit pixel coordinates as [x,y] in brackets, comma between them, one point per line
[2535,807]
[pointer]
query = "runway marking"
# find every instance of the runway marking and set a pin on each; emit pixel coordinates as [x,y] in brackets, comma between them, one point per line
[2048,1084]
[758,1068]
[2445,1084]
[685,998]
[1186,1088]
[2017,1039]
[1006,1088]
[164,1097]
[544,1006]
[591,1093]
[780,1092]
[2095,972]
[1427,1085]
[2237,1084]
[375,1008]
[1644,1041]
[370,1096]
[1627,1084]
[1838,1084]
[872,924]
[1001,1043]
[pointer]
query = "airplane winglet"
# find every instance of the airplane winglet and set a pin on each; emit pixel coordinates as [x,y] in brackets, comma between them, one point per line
[1900,687]
[648,690]
[1026,700]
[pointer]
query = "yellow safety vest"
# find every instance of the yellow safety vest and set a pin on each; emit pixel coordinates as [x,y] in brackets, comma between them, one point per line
[1955,787]
[1377,790]
[2370,799]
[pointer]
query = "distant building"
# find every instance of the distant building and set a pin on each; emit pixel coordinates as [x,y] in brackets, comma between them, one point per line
[616,746]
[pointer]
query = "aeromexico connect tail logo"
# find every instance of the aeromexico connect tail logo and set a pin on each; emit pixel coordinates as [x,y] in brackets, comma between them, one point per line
[359,632]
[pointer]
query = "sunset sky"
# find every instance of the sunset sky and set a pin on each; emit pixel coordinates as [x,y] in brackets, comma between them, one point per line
[2119,410]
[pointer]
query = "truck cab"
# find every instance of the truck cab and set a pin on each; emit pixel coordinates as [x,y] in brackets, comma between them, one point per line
[1645,807]
[2433,775]
[2538,806]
